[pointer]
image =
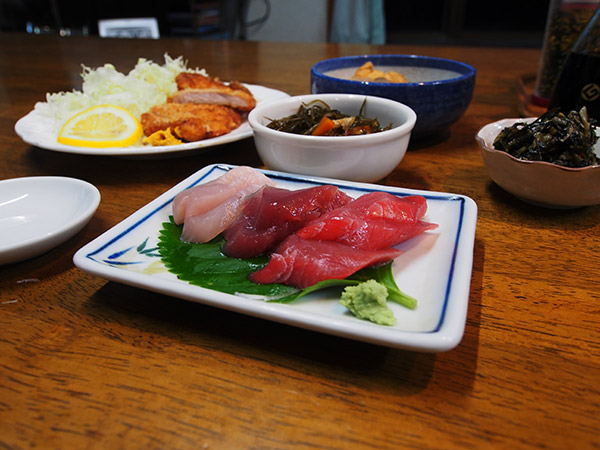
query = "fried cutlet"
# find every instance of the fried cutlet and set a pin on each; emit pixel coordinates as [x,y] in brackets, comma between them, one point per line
[191,122]
[199,89]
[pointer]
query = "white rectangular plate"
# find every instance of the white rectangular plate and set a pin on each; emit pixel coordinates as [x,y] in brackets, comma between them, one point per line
[435,268]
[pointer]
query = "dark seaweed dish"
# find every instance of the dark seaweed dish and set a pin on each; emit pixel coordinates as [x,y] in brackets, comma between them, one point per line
[553,137]
[318,119]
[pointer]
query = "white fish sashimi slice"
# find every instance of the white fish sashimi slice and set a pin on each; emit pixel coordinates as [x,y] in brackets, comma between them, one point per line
[204,197]
[203,227]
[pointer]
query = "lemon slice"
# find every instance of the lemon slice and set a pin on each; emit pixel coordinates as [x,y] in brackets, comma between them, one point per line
[101,126]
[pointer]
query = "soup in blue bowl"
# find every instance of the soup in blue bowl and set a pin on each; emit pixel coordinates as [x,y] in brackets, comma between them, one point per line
[439,90]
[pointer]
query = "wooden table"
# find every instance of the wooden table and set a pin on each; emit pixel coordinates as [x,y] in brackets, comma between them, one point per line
[87,363]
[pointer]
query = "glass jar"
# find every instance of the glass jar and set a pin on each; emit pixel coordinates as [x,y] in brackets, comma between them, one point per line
[566,19]
[578,83]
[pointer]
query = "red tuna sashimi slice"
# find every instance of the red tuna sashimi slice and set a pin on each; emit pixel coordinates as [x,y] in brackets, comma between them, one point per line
[373,221]
[272,214]
[204,197]
[302,263]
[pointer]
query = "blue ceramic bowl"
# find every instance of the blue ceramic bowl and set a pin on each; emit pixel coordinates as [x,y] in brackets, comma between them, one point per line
[438,90]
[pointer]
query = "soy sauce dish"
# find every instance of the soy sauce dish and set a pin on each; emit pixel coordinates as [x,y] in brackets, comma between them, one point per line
[364,157]
[439,90]
[39,213]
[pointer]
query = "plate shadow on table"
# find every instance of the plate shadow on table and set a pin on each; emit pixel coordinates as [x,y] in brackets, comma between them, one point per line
[428,139]
[119,170]
[401,372]
[468,349]
[393,371]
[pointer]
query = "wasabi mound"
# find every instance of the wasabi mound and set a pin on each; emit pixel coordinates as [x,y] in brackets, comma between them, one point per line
[368,301]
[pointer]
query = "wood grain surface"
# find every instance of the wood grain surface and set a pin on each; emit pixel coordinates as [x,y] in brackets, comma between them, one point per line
[88,363]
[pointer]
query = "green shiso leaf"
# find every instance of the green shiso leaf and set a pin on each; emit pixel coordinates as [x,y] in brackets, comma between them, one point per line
[315,287]
[206,266]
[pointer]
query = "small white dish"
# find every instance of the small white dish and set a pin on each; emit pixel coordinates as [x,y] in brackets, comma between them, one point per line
[39,213]
[538,183]
[365,157]
[435,268]
[41,132]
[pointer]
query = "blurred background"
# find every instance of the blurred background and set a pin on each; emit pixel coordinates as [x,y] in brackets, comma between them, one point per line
[443,22]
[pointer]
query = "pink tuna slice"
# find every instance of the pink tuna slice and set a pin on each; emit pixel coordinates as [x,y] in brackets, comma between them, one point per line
[272,214]
[204,197]
[203,227]
[302,263]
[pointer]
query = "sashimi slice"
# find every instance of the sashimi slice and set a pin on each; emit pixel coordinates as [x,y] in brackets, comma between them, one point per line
[204,227]
[373,221]
[302,263]
[204,197]
[272,214]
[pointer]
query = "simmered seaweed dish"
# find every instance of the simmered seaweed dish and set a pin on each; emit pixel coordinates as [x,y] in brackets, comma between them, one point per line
[318,119]
[553,137]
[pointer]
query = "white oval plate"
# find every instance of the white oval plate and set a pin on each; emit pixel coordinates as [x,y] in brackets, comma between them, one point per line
[39,213]
[41,131]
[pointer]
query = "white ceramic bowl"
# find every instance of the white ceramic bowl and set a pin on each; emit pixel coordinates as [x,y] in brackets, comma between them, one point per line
[367,158]
[538,182]
[39,213]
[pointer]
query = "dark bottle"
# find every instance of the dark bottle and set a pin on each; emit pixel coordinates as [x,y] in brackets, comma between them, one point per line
[578,84]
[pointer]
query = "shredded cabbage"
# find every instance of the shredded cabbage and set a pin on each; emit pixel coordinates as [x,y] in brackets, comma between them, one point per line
[146,85]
